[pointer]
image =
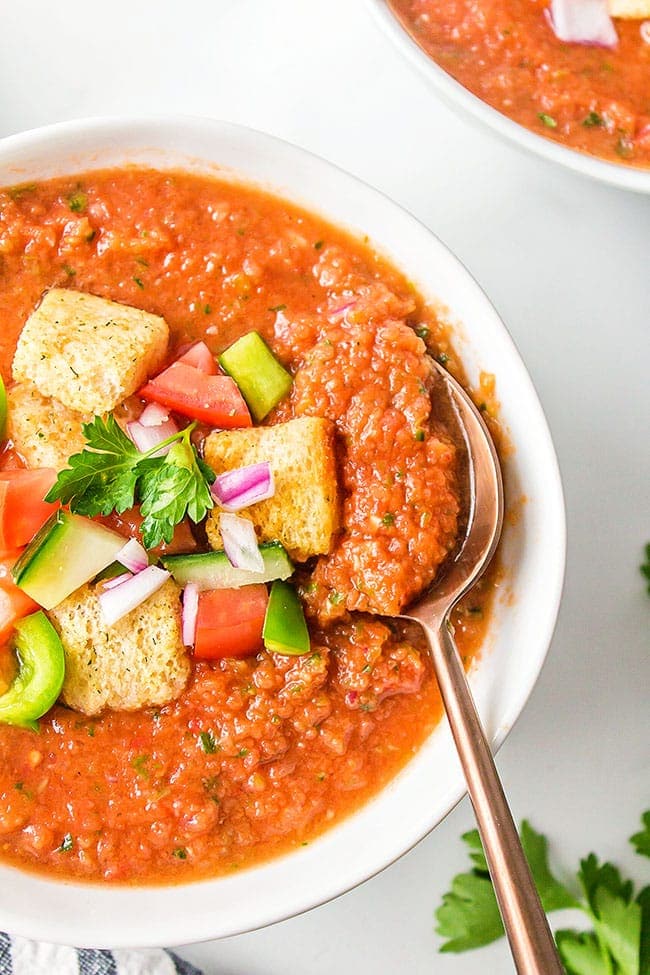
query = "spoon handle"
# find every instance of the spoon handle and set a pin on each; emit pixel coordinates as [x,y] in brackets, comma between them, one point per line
[531,941]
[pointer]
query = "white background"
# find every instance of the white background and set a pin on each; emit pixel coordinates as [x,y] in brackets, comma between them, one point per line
[567,264]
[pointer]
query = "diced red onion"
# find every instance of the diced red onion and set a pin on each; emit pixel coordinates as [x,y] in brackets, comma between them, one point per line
[582,22]
[644,30]
[242,486]
[153,415]
[240,543]
[133,556]
[190,613]
[343,308]
[121,600]
[117,580]
[145,437]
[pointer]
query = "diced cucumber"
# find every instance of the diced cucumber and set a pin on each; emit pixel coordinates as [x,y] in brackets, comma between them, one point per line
[38,683]
[212,570]
[285,629]
[262,381]
[68,551]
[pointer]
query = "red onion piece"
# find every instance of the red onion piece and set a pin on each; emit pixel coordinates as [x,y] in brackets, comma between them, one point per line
[117,580]
[121,600]
[242,486]
[190,613]
[582,22]
[240,543]
[343,308]
[133,556]
[145,437]
[153,415]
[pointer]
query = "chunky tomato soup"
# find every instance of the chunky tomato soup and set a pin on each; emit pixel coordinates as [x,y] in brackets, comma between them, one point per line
[592,99]
[259,754]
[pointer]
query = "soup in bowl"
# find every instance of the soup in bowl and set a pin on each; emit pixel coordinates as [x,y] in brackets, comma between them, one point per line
[233,471]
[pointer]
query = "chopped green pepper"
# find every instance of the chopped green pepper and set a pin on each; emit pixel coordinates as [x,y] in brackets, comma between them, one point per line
[285,630]
[38,682]
[263,382]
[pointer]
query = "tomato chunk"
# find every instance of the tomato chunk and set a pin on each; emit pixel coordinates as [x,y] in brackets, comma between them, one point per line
[14,603]
[230,621]
[201,358]
[22,509]
[215,400]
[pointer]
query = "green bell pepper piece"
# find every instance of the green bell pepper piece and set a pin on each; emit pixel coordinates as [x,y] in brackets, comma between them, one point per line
[262,381]
[285,630]
[40,675]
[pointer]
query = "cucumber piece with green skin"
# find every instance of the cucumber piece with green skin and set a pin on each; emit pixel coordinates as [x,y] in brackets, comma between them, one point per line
[212,570]
[37,685]
[68,551]
[262,381]
[285,630]
[3,408]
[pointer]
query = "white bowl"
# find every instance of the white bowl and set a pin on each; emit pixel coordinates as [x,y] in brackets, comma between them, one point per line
[459,98]
[533,554]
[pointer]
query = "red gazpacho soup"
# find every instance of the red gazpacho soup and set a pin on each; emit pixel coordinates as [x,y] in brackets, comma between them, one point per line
[588,97]
[211,614]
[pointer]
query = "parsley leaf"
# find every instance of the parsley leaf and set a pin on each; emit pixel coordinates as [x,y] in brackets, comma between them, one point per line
[641,841]
[110,474]
[102,479]
[581,953]
[469,915]
[553,894]
[645,568]
[619,943]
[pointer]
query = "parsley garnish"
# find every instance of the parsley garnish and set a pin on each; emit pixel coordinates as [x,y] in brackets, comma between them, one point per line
[645,568]
[66,844]
[78,201]
[547,120]
[388,519]
[592,120]
[111,472]
[469,916]
[207,742]
[180,853]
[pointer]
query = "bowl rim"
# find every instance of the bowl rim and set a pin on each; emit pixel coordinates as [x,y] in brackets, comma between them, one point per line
[116,917]
[458,97]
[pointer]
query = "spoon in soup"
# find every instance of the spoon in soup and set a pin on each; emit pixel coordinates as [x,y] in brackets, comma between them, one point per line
[531,941]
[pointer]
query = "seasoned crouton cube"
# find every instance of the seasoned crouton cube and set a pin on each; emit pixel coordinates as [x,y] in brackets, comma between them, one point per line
[303,513]
[44,432]
[87,352]
[137,662]
[630,9]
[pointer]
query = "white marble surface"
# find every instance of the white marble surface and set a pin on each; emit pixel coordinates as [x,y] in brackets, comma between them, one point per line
[566,263]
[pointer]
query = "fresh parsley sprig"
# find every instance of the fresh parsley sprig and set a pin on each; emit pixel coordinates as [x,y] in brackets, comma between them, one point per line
[619,943]
[110,474]
[645,567]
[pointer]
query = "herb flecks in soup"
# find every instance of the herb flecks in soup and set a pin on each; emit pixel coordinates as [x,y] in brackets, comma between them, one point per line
[230,509]
[587,97]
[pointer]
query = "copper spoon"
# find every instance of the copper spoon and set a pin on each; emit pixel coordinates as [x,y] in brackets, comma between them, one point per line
[531,942]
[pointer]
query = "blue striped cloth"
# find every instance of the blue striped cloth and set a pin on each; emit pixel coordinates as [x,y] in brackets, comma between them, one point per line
[21,957]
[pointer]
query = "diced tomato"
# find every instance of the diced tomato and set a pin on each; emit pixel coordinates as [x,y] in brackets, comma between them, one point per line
[230,621]
[129,524]
[214,399]
[201,358]
[14,603]
[22,509]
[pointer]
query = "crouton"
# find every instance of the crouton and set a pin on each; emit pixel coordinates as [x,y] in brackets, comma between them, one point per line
[137,662]
[43,431]
[303,513]
[87,352]
[630,9]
